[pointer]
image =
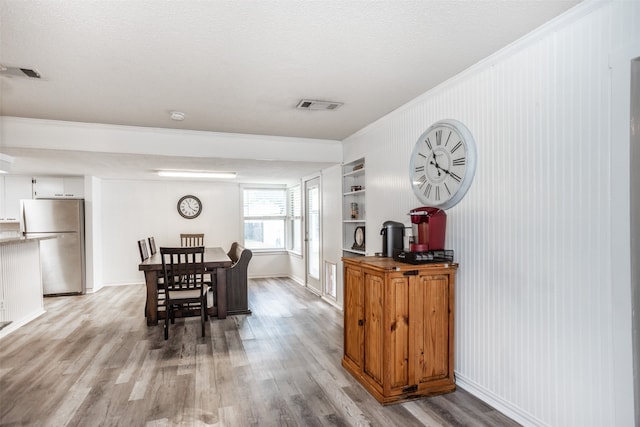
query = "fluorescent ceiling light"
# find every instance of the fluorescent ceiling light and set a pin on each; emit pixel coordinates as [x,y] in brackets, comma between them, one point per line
[197,174]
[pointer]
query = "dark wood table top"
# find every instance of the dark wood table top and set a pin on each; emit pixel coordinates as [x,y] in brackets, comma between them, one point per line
[214,257]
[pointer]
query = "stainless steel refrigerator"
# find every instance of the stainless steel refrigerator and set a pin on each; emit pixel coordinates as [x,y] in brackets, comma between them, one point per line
[62,258]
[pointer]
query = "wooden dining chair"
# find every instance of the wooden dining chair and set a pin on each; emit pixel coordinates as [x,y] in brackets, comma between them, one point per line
[144,251]
[191,240]
[185,287]
[144,255]
[152,246]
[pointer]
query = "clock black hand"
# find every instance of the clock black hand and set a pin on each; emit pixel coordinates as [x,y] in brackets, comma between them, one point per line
[434,162]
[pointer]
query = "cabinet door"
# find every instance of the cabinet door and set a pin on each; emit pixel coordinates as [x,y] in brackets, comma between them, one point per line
[58,187]
[16,188]
[429,299]
[48,187]
[374,326]
[397,304]
[353,314]
[73,186]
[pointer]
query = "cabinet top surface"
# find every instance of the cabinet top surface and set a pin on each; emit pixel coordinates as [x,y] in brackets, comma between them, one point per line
[25,239]
[389,264]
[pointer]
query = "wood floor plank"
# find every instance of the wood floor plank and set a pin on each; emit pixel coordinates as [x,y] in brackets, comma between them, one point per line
[91,361]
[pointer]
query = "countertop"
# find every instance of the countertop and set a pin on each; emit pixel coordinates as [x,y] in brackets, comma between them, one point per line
[24,239]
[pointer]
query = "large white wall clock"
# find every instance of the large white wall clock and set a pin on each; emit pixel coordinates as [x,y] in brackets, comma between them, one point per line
[443,164]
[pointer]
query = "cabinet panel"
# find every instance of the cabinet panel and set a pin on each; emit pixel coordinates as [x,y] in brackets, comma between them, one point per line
[58,187]
[74,186]
[398,312]
[431,305]
[16,188]
[353,315]
[373,326]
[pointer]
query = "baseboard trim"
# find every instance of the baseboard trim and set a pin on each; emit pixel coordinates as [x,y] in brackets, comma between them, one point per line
[296,279]
[498,403]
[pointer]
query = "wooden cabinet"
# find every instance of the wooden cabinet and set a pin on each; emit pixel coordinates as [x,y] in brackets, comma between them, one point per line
[398,327]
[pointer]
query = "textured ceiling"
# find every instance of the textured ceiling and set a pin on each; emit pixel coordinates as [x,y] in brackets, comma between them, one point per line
[242,66]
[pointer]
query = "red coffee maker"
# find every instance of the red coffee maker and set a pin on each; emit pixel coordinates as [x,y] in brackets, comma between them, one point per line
[429,225]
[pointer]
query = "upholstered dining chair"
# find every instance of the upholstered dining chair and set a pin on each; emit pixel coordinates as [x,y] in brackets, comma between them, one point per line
[185,287]
[191,240]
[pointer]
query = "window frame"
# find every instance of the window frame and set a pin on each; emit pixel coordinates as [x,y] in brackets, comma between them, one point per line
[282,218]
[292,217]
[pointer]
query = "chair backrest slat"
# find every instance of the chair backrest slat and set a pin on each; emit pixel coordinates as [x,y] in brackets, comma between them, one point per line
[191,240]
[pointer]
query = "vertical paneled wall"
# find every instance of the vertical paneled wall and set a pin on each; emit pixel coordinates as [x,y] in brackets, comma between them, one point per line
[532,236]
[20,284]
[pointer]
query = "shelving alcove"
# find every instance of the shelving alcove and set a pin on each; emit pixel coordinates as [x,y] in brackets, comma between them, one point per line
[353,208]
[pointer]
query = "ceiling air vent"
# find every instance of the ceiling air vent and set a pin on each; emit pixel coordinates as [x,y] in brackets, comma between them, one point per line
[18,72]
[310,104]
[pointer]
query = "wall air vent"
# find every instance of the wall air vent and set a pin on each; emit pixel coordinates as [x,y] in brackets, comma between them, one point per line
[18,72]
[310,104]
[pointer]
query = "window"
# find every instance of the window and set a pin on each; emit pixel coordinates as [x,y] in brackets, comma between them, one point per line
[264,215]
[294,220]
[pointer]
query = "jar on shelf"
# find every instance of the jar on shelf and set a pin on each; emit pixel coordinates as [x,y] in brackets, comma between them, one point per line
[354,210]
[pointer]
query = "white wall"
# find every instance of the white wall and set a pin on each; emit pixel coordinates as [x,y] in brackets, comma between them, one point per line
[332,225]
[134,210]
[331,196]
[538,297]
[93,233]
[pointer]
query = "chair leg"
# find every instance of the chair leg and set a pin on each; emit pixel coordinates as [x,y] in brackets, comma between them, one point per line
[166,326]
[202,317]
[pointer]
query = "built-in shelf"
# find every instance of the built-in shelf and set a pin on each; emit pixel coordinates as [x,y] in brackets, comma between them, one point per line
[353,205]
[354,251]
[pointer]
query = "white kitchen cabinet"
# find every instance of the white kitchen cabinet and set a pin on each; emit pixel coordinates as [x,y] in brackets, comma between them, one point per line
[45,187]
[13,189]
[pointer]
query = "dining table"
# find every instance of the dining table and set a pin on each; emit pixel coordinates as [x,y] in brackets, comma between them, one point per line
[216,261]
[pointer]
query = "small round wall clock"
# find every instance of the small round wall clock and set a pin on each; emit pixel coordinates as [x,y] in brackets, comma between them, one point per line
[358,238]
[189,207]
[443,164]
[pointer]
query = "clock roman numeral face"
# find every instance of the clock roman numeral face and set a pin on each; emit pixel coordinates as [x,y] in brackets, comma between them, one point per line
[189,206]
[439,164]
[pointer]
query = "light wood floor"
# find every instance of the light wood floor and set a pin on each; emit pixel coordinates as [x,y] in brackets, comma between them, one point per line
[92,361]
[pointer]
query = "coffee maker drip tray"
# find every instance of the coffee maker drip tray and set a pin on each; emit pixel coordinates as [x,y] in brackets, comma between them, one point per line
[426,257]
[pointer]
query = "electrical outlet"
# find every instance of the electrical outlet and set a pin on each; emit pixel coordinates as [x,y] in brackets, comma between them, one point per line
[1,305]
